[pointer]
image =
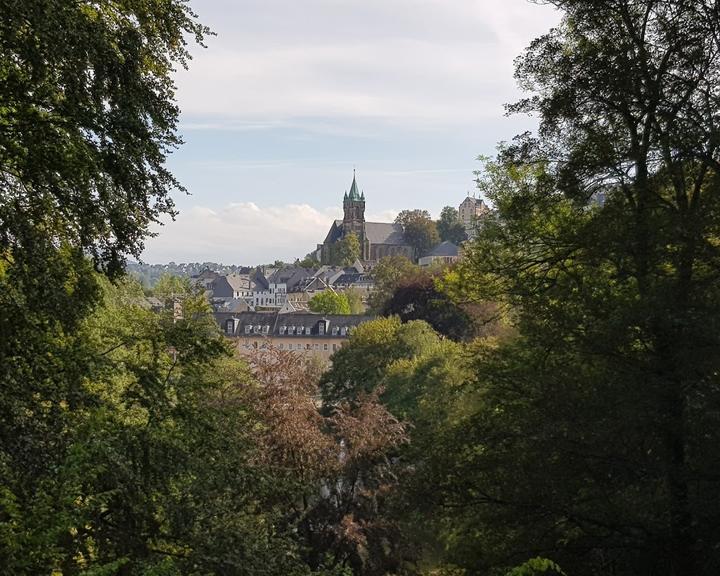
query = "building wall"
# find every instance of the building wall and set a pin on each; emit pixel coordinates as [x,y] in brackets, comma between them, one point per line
[378,251]
[317,346]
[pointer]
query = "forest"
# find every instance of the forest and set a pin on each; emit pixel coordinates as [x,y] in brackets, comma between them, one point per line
[548,405]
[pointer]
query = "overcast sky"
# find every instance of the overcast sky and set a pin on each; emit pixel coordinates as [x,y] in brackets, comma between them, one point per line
[291,95]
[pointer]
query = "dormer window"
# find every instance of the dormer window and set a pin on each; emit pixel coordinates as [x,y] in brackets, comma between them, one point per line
[335,330]
[247,329]
[229,326]
[266,329]
[343,331]
[321,328]
[283,329]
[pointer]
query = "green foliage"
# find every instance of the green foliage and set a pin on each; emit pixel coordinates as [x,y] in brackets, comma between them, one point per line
[419,298]
[329,302]
[449,226]
[310,261]
[387,275]
[169,287]
[348,249]
[536,566]
[419,230]
[344,252]
[355,300]
[358,367]
[88,116]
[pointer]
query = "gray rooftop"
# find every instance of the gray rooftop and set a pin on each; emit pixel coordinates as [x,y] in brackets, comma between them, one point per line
[446,248]
[384,233]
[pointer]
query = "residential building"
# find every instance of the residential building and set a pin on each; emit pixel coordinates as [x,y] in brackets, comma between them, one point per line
[446,252]
[470,212]
[315,335]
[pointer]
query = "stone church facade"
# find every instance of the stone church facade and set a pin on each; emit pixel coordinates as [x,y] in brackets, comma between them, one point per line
[377,239]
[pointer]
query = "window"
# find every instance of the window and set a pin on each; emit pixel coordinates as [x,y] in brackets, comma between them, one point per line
[307,346]
[229,326]
[247,329]
[283,329]
[321,328]
[325,346]
[280,346]
[317,346]
[334,347]
[266,329]
[343,331]
[335,330]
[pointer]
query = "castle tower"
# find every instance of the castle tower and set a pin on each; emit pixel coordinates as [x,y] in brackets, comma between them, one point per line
[354,213]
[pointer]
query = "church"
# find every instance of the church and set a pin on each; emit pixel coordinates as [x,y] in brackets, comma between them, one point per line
[377,239]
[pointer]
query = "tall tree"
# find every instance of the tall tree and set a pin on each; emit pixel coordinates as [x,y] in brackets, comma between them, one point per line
[605,249]
[87,119]
[449,226]
[419,230]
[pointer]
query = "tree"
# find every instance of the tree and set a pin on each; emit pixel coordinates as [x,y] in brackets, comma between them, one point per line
[88,118]
[344,252]
[348,249]
[359,366]
[310,261]
[449,226]
[339,466]
[355,300]
[387,275]
[418,298]
[329,302]
[169,287]
[604,406]
[419,230]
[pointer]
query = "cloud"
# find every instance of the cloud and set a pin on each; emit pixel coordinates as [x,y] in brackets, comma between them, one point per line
[412,62]
[245,233]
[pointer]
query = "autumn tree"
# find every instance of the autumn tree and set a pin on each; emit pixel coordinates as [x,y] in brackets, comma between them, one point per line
[339,464]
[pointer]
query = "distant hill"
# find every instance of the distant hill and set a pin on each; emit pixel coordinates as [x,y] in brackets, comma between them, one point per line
[148,274]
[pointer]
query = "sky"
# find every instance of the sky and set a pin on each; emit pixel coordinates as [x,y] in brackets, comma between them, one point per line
[290,96]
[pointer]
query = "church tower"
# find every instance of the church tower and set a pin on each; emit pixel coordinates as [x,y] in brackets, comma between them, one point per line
[354,214]
[354,210]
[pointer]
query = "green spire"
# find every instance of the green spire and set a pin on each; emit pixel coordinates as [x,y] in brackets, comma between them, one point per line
[354,193]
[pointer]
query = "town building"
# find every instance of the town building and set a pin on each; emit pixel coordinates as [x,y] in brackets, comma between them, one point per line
[445,252]
[470,212]
[377,239]
[318,335]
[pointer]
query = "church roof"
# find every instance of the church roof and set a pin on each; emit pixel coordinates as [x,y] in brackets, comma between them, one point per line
[354,192]
[384,233]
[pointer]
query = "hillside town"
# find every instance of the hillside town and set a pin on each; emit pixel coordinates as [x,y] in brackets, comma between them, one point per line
[271,305]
